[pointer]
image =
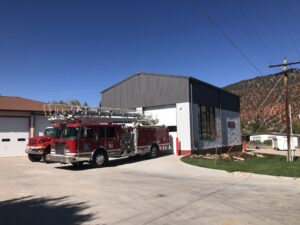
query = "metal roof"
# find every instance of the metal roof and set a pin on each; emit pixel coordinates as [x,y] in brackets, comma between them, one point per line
[143,73]
[188,77]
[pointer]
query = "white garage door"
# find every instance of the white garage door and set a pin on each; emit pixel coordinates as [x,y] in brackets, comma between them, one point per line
[41,123]
[166,115]
[13,136]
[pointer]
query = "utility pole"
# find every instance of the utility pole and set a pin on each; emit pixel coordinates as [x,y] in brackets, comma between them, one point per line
[287,105]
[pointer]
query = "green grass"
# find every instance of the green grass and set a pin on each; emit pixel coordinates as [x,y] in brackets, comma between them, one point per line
[270,165]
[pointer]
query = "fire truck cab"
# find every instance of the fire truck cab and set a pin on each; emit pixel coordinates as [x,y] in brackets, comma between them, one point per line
[39,147]
[96,142]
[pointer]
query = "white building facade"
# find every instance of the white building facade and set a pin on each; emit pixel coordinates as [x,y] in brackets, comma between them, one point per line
[20,119]
[200,116]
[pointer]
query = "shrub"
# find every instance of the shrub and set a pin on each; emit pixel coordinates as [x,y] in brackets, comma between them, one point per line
[268,142]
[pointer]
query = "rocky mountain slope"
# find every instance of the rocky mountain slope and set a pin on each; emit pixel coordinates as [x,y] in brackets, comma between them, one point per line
[259,108]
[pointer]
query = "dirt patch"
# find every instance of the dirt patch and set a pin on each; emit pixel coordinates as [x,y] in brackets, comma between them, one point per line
[228,157]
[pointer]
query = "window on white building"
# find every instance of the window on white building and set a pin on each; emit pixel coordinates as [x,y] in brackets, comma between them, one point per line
[207,124]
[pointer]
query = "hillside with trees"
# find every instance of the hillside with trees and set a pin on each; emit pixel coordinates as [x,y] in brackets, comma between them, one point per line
[263,110]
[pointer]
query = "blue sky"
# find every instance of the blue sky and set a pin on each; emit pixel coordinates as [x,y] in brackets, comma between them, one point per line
[63,50]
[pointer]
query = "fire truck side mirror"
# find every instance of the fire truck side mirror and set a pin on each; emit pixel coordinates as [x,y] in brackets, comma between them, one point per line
[96,136]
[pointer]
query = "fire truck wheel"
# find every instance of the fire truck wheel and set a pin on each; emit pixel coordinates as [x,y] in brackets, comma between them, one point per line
[47,151]
[44,158]
[154,151]
[34,158]
[100,159]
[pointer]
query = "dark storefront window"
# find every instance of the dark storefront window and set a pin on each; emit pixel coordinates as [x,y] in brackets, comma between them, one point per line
[207,125]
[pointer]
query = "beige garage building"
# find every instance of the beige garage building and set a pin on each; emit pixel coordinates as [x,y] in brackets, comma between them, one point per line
[20,119]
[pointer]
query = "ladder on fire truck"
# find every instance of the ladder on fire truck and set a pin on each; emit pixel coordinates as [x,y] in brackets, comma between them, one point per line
[61,113]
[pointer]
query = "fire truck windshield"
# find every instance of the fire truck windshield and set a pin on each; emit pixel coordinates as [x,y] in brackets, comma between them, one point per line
[54,132]
[70,132]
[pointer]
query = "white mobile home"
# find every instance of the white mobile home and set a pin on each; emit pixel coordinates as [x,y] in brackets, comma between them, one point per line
[280,143]
[262,137]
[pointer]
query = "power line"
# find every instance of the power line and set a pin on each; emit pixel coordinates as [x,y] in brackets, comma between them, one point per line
[277,100]
[268,26]
[269,114]
[211,20]
[285,24]
[269,94]
[237,17]
[287,104]
[243,55]
[258,36]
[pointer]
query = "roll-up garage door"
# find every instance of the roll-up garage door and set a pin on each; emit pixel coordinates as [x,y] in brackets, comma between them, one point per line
[41,123]
[14,133]
[166,115]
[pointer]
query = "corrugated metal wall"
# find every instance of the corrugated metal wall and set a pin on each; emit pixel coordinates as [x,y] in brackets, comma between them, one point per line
[145,90]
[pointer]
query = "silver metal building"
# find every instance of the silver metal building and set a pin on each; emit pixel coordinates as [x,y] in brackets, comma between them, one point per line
[203,117]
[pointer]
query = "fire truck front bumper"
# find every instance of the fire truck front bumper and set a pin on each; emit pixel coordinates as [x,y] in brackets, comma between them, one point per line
[34,151]
[65,159]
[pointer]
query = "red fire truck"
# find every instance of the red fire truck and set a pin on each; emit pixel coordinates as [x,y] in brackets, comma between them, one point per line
[96,138]
[39,147]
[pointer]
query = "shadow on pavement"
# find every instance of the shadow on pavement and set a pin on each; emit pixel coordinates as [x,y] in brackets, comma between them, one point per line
[46,211]
[134,159]
[115,162]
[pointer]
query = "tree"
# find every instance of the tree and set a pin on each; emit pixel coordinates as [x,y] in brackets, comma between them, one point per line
[245,130]
[62,102]
[296,128]
[75,102]
[257,126]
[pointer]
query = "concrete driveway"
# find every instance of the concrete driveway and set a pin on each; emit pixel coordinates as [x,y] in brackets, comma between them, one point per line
[136,192]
